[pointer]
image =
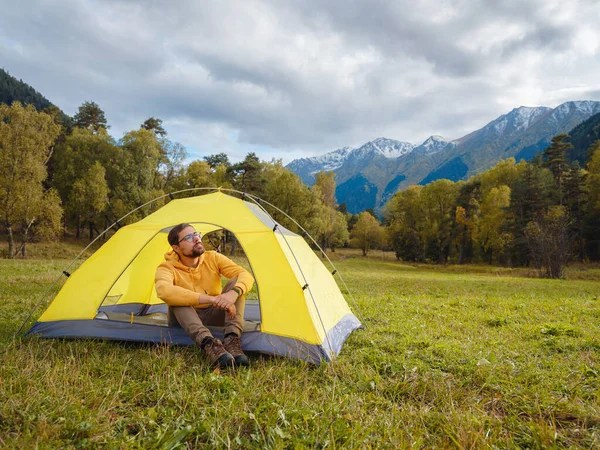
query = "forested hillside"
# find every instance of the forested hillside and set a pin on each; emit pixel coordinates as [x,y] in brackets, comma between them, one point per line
[12,90]
[582,137]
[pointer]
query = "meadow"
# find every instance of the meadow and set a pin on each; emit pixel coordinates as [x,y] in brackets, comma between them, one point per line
[450,357]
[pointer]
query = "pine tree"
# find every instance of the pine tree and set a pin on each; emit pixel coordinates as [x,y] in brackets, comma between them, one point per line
[575,193]
[90,116]
[555,159]
[154,124]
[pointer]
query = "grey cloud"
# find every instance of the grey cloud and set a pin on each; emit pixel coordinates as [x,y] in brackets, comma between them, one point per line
[284,75]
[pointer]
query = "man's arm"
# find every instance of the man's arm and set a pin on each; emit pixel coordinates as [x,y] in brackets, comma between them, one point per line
[176,295]
[244,282]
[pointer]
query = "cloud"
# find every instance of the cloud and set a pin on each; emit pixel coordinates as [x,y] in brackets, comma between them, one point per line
[303,77]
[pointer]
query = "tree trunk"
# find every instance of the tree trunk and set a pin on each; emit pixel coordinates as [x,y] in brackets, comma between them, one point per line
[11,242]
[580,230]
[78,233]
[364,250]
[106,224]
[233,245]
[91,224]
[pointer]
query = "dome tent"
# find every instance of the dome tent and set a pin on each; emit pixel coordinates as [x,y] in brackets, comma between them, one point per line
[300,312]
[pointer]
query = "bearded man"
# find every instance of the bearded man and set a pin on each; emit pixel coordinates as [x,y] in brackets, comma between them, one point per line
[189,281]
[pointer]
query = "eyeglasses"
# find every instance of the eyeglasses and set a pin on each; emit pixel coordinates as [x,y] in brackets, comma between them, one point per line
[190,237]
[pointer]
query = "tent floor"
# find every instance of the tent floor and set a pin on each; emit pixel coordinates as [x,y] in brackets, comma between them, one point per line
[158,314]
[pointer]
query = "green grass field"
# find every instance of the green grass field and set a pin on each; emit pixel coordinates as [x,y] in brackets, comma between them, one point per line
[451,357]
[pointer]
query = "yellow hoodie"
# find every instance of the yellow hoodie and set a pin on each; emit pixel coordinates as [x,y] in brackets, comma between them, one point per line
[179,285]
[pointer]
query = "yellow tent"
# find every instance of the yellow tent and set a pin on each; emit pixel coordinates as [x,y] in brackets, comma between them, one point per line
[300,311]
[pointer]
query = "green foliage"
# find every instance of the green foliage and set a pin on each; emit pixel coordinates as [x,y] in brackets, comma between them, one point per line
[555,158]
[331,226]
[91,117]
[26,137]
[89,194]
[13,90]
[155,125]
[582,138]
[367,234]
[592,214]
[217,160]
[550,241]
[246,175]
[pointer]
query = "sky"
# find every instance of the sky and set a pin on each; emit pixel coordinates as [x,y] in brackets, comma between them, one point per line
[291,79]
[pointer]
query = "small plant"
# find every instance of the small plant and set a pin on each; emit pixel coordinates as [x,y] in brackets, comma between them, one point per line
[497,322]
[558,330]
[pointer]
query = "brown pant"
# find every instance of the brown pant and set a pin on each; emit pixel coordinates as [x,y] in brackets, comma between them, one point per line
[194,320]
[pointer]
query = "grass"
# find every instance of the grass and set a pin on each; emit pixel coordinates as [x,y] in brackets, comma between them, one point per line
[452,357]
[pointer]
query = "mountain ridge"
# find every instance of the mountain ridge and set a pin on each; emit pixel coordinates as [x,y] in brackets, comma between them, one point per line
[521,133]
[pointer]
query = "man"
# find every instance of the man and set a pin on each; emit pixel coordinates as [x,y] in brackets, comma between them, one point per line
[189,281]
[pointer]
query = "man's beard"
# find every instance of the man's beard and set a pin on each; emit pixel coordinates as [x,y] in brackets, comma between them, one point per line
[195,252]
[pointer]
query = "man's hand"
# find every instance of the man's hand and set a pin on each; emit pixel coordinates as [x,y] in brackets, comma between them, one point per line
[225,300]
[231,311]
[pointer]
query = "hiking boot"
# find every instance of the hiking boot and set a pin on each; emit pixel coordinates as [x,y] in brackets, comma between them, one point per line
[233,345]
[217,354]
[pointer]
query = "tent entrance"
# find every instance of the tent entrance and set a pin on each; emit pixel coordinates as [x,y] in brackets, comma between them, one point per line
[133,299]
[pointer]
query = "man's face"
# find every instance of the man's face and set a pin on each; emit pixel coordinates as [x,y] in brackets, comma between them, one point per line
[189,245]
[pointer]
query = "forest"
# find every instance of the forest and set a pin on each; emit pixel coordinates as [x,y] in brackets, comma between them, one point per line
[68,177]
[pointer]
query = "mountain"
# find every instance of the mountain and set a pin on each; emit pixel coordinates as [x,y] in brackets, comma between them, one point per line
[351,159]
[12,90]
[582,137]
[369,175]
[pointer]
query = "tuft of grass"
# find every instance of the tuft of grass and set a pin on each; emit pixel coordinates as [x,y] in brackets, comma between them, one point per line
[450,358]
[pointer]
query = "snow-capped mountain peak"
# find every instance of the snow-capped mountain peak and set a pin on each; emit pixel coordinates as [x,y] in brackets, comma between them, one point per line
[519,119]
[388,147]
[327,162]
[583,107]
[434,144]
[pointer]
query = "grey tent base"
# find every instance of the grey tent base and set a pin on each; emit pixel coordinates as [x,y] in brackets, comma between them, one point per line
[253,341]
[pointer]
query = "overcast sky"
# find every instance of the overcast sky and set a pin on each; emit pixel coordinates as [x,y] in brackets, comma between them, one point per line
[288,79]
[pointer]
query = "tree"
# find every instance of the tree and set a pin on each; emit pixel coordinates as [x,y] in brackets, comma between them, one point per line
[333,229]
[77,153]
[467,216]
[555,159]
[137,163]
[576,195]
[198,174]
[405,216]
[439,199]
[550,241]
[247,174]
[592,216]
[343,208]
[170,165]
[325,183]
[530,194]
[26,138]
[91,117]
[155,125]
[367,233]
[492,235]
[285,190]
[88,196]
[217,160]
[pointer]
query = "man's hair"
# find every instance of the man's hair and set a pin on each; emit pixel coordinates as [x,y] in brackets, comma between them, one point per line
[174,233]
